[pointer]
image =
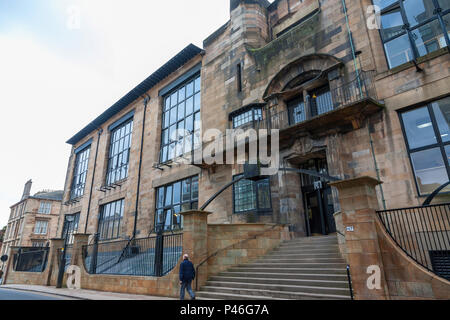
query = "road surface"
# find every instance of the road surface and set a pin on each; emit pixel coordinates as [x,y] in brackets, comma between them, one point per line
[10,294]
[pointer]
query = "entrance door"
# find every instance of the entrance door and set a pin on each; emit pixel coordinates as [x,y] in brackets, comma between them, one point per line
[313,213]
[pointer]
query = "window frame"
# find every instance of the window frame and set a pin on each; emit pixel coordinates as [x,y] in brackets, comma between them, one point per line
[257,209]
[438,14]
[167,111]
[78,162]
[171,207]
[439,144]
[254,110]
[45,205]
[102,222]
[41,223]
[108,180]
[72,230]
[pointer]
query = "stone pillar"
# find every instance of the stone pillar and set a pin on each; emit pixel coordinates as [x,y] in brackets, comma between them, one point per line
[9,263]
[195,241]
[79,241]
[359,203]
[53,261]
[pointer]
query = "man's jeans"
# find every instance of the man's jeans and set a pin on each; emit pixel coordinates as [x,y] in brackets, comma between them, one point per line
[186,285]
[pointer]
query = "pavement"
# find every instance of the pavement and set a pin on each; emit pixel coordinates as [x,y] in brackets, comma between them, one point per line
[21,292]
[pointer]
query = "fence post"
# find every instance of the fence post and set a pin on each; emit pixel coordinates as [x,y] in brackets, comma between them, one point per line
[359,202]
[195,241]
[159,251]
[52,262]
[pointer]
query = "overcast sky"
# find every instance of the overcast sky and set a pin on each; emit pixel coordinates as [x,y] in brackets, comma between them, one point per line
[58,72]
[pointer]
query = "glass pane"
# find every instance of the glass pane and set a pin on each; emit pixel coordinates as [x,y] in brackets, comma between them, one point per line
[444,4]
[398,51]
[195,188]
[176,217]
[383,3]
[197,84]
[391,24]
[197,102]
[190,123]
[419,128]
[160,197]
[166,119]
[297,112]
[181,94]
[197,121]
[180,111]
[186,190]
[429,38]
[190,89]
[185,207]
[168,196]
[177,193]
[264,195]
[174,99]
[167,104]
[418,11]
[441,110]
[430,170]
[173,115]
[189,105]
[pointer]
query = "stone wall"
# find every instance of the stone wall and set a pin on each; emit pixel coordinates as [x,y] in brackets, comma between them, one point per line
[240,243]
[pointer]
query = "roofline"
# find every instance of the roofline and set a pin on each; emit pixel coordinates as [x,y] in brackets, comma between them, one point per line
[33,198]
[163,72]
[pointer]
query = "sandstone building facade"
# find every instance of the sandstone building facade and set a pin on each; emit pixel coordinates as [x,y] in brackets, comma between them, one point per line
[349,101]
[33,220]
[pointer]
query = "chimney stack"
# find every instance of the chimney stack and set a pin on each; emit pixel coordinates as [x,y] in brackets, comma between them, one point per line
[27,189]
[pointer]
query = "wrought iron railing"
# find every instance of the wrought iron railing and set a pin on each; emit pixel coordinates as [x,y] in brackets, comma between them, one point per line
[352,92]
[135,257]
[31,259]
[423,233]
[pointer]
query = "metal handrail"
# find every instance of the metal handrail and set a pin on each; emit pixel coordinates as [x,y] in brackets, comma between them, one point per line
[349,277]
[226,248]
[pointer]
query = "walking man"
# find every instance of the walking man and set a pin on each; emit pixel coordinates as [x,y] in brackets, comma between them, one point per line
[187,274]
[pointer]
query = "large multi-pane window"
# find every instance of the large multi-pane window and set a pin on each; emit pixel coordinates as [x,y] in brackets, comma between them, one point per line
[111,215]
[181,120]
[251,195]
[45,208]
[413,28]
[41,227]
[249,116]
[70,227]
[173,199]
[428,140]
[119,152]
[80,173]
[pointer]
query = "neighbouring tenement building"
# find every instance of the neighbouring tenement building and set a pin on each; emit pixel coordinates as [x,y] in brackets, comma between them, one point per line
[33,220]
[350,101]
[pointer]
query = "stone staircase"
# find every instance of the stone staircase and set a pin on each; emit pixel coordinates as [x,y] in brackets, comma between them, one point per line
[306,268]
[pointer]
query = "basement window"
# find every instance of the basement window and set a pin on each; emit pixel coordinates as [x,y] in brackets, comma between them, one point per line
[110,221]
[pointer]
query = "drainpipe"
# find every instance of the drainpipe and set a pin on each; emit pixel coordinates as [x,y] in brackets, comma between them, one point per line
[146,101]
[100,131]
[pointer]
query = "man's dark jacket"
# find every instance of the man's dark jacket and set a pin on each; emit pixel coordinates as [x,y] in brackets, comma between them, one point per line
[187,271]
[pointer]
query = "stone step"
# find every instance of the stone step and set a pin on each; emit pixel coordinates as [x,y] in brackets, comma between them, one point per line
[302,276]
[296,260]
[271,294]
[310,246]
[279,287]
[294,282]
[207,295]
[277,269]
[299,250]
[305,265]
[304,254]
[311,242]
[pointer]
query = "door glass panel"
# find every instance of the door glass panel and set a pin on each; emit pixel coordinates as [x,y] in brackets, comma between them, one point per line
[391,24]
[323,101]
[428,38]
[418,11]
[430,170]
[419,128]
[398,51]
[441,110]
